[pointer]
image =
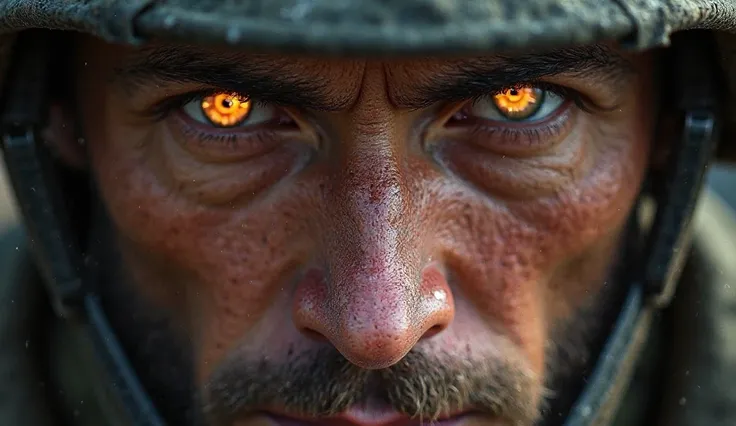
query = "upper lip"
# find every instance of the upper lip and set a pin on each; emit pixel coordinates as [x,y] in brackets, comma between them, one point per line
[361,417]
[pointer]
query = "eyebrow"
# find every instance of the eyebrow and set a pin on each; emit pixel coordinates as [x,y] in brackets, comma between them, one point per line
[262,78]
[481,76]
[273,81]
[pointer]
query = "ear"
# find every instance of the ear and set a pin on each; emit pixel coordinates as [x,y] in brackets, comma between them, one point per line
[60,135]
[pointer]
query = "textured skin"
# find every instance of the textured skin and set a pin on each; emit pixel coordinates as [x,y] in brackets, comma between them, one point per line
[700,383]
[381,26]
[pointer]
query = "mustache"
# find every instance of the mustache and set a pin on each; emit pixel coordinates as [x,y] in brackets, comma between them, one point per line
[324,383]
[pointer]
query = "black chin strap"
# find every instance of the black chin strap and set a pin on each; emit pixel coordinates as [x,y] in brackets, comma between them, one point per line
[60,261]
[57,254]
[668,238]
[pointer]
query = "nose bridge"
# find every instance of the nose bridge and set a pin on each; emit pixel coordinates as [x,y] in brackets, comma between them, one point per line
[372,306]
[374,260]
[371,192]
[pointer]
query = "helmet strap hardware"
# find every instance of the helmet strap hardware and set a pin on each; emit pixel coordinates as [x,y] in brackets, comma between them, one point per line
[677,189]
[57,255]
[32,172]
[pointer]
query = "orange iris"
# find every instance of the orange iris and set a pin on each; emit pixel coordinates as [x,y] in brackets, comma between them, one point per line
[519,103]
[226,109]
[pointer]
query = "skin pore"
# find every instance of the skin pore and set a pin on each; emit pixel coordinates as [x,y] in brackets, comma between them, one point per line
[376,236]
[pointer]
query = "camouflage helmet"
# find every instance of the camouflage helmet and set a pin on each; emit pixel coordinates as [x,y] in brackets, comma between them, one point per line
[375,27]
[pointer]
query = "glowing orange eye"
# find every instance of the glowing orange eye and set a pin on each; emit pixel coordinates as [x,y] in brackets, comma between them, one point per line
[226,109]
[519,103]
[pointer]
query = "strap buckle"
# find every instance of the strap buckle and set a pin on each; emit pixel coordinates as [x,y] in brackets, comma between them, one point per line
[671,234]
[695,83]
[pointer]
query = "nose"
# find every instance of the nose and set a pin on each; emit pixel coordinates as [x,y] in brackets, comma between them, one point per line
[374,318]
[379,294]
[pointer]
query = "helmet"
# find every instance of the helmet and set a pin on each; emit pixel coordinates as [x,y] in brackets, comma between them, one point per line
[700,76]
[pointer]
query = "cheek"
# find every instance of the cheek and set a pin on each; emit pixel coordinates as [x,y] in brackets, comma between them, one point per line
[524,265]
[578,230]
[211,264]
[216,266]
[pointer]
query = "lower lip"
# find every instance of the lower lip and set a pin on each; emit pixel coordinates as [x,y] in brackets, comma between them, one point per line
[337,421]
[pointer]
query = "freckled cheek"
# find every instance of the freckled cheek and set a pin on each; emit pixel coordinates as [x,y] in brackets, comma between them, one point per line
[518,303]
[160,195]
[608,191]
[495,275]
[228,178]
[597,202]
[508,257]
[230,260]
[580,230]
[232,265]
[512,300]
[523,176]
[209,241]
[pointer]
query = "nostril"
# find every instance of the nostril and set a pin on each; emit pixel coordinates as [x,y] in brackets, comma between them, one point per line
[433,331]
[313,335]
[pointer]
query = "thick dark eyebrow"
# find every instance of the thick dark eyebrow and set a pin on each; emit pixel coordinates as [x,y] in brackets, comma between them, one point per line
[482,76]
[259,77]
[263,78]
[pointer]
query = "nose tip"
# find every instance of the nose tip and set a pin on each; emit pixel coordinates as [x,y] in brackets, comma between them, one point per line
[375,324]
[378,336]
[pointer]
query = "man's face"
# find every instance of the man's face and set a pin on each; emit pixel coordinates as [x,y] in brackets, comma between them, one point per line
[366,240]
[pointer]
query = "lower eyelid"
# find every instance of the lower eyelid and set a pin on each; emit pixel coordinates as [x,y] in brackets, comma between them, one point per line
[516,139]
[221,145]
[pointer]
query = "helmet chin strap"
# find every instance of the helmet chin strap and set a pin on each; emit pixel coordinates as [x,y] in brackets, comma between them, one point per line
[675,194]
[57,253]
[59,256]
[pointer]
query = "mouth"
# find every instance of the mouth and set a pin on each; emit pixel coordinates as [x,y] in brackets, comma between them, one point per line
[359,416]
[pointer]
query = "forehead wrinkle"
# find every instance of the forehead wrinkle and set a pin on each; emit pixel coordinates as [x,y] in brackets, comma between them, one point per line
[334,83]
[405,79]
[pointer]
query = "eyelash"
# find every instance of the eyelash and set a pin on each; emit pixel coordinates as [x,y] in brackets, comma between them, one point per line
[162,109]
[225,143]
[533,136]
[578,99]
[525,138]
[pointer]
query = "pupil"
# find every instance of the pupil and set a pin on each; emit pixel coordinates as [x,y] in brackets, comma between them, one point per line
[227,103]
[513,92]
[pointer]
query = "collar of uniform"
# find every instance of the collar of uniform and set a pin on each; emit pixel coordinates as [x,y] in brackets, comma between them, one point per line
[701,348]
[684,375]
[24,315]
[48,372]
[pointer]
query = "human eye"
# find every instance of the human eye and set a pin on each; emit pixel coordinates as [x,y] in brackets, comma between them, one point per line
[520,120]
[228,126]
[517,104]
[228,110]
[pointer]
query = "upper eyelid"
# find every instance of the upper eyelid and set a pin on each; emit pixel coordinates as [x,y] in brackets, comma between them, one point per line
[578,98]
[161,108]
[167,105]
